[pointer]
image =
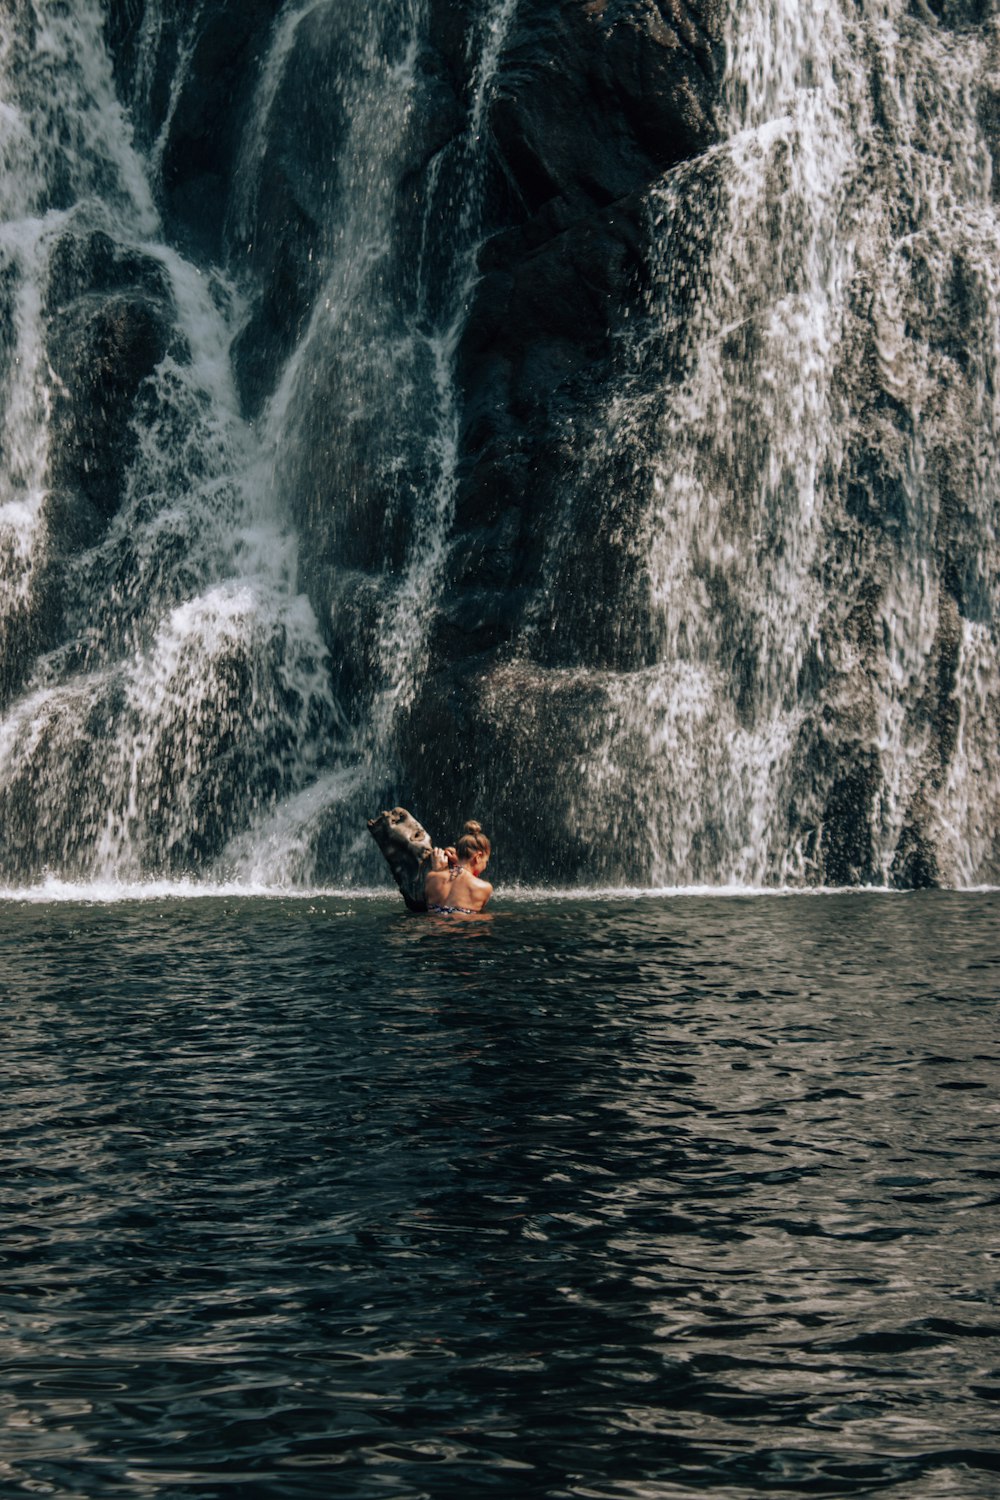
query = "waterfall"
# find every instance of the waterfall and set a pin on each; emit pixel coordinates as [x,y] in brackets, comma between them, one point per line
[364,421]
[807,423]
[173,704]
[755,638]
[164,677]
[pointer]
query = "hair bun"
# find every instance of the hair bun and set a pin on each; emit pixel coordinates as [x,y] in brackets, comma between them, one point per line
[472,827]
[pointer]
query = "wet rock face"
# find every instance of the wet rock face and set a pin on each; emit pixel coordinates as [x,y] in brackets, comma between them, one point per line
[596,100]
[989,108]
[108,328]
[276,239]
[190,79]
[543,596]
[188,74]
[600,96]
[953,13]
[108,323]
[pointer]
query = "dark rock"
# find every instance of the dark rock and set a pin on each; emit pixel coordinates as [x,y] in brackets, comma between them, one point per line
[143,41]
[188,75]
[27,626]
[210,117]
[450,25]
[72,522]
[593,104]
[356,603]
[284,267]
[596,99]
[93,264]
[915,864]
[499,735]
[102,349]
[109,324]
[8,336]
[300,196]
[847,824]
[278,241]
[943,706]
[955,14]
[989,119]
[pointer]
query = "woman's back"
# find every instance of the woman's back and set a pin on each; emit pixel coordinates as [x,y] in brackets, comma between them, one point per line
[455,883]
[456,889]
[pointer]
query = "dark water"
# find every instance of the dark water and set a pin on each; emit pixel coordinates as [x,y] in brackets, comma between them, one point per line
[642,1198]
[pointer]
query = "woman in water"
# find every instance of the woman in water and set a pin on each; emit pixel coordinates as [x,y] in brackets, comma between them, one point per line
[454,881]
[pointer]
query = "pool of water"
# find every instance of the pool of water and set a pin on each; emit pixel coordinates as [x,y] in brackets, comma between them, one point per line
[640,1197]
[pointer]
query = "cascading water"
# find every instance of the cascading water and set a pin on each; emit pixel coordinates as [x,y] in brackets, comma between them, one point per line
[807,423]
[364,421]
[185,713]
[184,682]
[759,644]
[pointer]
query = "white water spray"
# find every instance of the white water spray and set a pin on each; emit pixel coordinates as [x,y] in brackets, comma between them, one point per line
[800,649]
[387,354]
[189,686]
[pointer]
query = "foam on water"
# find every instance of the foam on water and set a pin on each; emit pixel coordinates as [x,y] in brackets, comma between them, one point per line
[52,890]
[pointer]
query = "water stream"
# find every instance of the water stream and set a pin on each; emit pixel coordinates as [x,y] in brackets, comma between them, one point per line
[184,672]
[810,418]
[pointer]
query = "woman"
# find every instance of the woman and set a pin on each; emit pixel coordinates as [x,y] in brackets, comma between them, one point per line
[454,881]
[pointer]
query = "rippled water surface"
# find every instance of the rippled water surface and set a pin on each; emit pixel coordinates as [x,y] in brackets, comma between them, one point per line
[632,1197]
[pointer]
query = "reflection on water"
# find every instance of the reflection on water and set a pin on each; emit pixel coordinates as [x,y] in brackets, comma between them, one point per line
[622,1198]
